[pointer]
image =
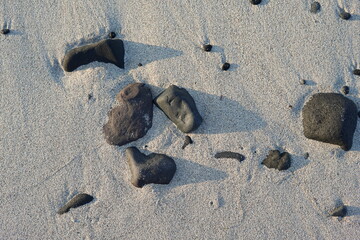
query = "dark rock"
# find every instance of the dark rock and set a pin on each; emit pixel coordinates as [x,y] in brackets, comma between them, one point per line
[302,81]
[112,35]
[107,51]
[225,66]
[356,72]
[180,108]
[77,201]
[330,118]
[339,211]
[315,7]
[255,2]
[306,155]
[228,154]
[207,47]
[276,160]
[140,64]
[153,168]
[5,31]
[132,118]
[187,141]
[345,90]
[345,15]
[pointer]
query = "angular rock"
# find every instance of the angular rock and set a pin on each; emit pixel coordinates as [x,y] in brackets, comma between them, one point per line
[330,118]
[228,154]
[77,201]
[180,108]
[107,51]
[276,160]
[132,118]
[339,211]
[187,141]
[152,168]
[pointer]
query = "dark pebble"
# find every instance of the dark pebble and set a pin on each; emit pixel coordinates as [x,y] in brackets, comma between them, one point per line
[356,72]
[255,2]
[302,81]
[5,31]
[339,211]
[228,154]
[330,118]
[306,155]
[90,96]
[207,47]
[225,66]
[140,64]
[112,35]
[345,15]
[345,90]
[152,168]
[107,51]
[275,159]
[187,141]
[315,7]
[77,201]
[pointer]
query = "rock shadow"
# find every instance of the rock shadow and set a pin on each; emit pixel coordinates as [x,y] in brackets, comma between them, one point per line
[353,211]
[298,162]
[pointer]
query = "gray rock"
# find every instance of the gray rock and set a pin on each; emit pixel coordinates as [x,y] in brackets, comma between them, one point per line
[228,154]
[132,118]
[180,108]
[107,51]
[77,201]
[276,160]
[153,168]
[339,211]
[330,118]
[315,7]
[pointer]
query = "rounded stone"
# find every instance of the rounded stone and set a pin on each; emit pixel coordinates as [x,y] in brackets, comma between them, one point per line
[315,7]
[112,35]
[345,90]
[207,47]
[345,15]
[255,2]
[5,31]
[225,66]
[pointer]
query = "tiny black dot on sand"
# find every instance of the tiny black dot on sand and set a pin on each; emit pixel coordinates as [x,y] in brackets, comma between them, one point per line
[5,31]
[345,90]
[225,66]
[112,35]
[356,72]
[90,96]
[290,106]
[255,2]
[207,47]
[146,146]
[140,64]
[211,203]
[345,15]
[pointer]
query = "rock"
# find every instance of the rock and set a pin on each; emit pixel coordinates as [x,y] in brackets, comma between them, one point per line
[330,118]
[180,108]
[356,72]
[207,47]
[255,2]
[306,155]
[345,15]
[132,118]
[153,168]
[5,31]
[225,66]
[107,51]
[112,35]
[315,7]
[228,154]
[339,211]
[276,160]
[345,90]
[187,141]
[302,81]
[77,201]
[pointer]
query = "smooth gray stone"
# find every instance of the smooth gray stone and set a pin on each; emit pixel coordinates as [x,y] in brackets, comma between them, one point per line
[132,118]
[180,108]
[152,168]
[339,211]
[276,160]
[107,51]
[330,118]
[77,201]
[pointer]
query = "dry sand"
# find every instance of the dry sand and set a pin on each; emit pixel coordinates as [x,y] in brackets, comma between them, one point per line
[52,145]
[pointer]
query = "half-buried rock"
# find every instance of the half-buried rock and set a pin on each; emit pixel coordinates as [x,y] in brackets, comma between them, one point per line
[132,118]
[107,51]
[180,108]
[275,159]
[152,168]
[77,201]
[330,118]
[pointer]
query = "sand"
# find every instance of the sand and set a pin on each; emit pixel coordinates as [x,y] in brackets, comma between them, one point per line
[52,146]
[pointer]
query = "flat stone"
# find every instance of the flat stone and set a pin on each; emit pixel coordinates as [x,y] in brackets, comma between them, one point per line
[276,160]
[77,201]
[132,118]
[153,168]
[107,51]
[315,7]
[180,108]
[228,154]
[339,211]
[330,118]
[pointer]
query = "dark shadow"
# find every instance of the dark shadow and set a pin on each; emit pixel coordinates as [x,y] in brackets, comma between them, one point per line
[353,211]
[218,49]
[310,83]
[14,33]
[233,67]
[298,162]
[264,2]
[354,17]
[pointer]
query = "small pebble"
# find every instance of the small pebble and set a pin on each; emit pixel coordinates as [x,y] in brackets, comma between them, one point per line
[226,66]
[315,7]
[112,35]
[75,202]
[290,106]
[207,47]
[90,96]
[345,15]
[356,72]
[5,31]
[339,211]
[345,90]
[255,2]
[187,141]
[302,81]
[306,155]
[140,64]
